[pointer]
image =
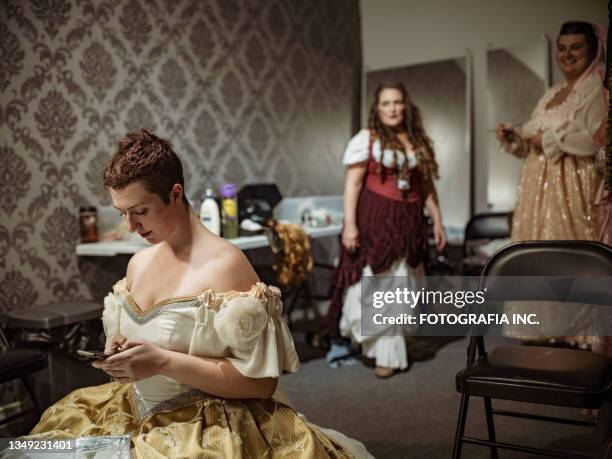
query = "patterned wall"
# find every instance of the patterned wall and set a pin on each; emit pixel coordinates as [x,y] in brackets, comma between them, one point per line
[247,90]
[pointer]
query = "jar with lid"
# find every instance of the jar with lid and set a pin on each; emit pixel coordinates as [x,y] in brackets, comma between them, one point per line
[88,222]
[229,210]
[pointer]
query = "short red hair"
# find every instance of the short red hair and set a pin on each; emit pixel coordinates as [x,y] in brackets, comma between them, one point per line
[142,156]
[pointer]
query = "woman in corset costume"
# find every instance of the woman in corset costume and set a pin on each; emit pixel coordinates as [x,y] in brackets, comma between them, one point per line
[389,180]
[197,341]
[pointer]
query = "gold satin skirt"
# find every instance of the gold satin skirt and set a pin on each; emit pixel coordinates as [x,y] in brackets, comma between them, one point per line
[556,201]
[203,428]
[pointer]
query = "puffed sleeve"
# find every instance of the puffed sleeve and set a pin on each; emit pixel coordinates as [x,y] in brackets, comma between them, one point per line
[576,137]
[251,325]
[357,148]
[111,315]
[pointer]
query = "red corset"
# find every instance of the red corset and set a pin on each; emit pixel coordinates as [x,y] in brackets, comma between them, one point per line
[387,187]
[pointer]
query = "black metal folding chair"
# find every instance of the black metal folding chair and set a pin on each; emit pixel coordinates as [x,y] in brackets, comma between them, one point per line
[535,374]
[482,228]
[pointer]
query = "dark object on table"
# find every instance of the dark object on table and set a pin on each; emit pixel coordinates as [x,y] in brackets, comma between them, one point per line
[539,375]
[257,201]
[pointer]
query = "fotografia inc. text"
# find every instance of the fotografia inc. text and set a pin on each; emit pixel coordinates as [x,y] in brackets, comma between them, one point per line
[456,319]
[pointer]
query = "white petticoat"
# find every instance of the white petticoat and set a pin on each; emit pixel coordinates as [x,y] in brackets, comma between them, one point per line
[389,350]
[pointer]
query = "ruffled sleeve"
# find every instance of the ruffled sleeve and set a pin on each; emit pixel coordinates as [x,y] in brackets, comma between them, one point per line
[111,315]
[258,341]
[576,137]
[357,148]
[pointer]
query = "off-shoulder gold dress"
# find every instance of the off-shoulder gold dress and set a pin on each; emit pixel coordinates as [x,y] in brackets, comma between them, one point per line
[168,419]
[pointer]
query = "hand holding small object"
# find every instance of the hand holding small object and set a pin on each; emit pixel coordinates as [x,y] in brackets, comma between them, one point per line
[137,360]
[505,132]
[114,344]
[92,354]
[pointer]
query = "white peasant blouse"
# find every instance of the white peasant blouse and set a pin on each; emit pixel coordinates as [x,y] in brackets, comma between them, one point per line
[567,128]
[357,152]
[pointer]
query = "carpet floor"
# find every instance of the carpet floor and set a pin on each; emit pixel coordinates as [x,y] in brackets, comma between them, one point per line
[413,414]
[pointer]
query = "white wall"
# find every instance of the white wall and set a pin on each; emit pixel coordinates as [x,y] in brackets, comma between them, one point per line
[516,80]
[400,32]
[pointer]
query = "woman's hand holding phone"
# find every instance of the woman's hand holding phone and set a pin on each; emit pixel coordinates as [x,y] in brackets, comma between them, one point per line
[136,360]
[115,344]
[91,354]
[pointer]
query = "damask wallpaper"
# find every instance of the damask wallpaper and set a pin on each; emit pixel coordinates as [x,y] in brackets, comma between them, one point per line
[247,91]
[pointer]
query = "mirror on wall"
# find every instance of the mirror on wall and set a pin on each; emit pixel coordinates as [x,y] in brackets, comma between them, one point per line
[517,77]
[440,90]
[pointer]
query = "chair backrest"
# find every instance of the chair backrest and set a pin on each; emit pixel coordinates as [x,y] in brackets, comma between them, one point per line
[551,258]
[494,225]
[572,259]
[587,259]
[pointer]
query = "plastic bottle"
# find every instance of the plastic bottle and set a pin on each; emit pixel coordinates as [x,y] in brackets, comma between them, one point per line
[209,213]
[229,210]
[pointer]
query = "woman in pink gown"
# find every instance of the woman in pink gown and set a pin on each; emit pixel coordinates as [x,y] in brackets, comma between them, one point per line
[558,185]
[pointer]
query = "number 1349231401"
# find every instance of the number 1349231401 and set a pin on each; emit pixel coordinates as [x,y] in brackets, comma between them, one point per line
[39,445]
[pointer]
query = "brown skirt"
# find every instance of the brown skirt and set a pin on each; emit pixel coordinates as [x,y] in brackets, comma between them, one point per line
[388,230]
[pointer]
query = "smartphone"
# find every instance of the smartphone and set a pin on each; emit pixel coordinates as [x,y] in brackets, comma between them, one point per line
[92,355]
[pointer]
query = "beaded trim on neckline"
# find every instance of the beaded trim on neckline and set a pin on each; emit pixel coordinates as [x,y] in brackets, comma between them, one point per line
[142,317]
[208,297]
[171,300]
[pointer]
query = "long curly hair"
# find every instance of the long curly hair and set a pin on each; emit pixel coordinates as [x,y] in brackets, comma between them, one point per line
[412,125]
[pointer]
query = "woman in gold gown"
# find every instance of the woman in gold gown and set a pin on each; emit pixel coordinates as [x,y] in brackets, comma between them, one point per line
[558,184]
[196,343]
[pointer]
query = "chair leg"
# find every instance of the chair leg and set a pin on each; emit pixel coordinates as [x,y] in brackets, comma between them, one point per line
[463,410]
[490,426]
